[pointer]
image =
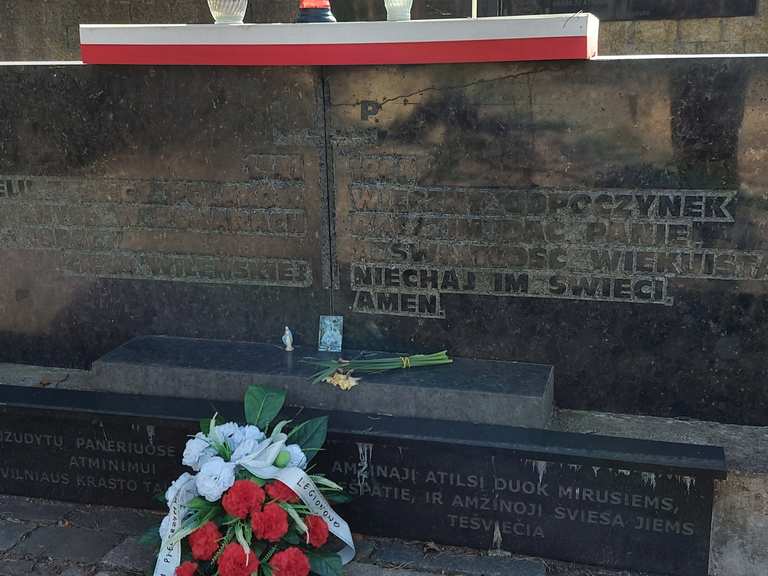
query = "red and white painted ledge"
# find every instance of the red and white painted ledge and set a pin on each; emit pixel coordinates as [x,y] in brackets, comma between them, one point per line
[502,39]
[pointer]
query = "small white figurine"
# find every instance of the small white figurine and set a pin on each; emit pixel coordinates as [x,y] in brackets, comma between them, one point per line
[288,339]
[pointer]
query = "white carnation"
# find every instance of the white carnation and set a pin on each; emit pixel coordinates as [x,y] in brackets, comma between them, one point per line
[197,452]
[227,430]
[229,434]
[298,458]
[245,433]
[215,477]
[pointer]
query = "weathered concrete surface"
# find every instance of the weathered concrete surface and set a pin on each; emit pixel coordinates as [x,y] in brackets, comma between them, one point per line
[740,526]
[497,208]
[44,377]
[153,200]
[746,447]
[740,519]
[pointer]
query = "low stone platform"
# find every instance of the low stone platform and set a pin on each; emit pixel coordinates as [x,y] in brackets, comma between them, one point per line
[477,391]
[413,478]
[741,502]
[740,517]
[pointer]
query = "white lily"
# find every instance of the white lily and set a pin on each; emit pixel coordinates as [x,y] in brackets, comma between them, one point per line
[259,460]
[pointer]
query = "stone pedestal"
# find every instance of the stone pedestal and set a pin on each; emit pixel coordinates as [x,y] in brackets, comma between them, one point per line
[475,391]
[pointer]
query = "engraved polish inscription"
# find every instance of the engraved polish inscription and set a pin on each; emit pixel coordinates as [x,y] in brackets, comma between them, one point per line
[409,246]
[235,232]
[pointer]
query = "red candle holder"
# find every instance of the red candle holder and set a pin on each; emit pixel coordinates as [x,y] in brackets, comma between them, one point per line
[315,11]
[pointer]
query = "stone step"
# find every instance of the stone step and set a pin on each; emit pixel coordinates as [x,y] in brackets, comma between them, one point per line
[574,497]
[476,391]
[741,507]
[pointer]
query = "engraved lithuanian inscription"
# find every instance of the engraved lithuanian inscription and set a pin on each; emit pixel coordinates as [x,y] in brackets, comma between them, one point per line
[412,245]
[95,457]
[235,232]
[542,507]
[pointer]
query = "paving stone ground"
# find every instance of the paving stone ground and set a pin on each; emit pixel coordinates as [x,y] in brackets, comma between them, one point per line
[45,538]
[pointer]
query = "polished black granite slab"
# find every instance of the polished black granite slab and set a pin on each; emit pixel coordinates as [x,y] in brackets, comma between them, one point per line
[603,217]
[467,390]
[221,355]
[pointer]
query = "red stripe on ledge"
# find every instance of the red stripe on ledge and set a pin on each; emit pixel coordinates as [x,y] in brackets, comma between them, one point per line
[510,50]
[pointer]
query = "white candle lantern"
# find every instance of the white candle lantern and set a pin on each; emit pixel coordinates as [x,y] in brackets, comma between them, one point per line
[398,9]
[228,11]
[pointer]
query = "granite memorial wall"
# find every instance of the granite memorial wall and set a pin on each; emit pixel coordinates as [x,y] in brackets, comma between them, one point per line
[150,200]
[606,217]
[603,217]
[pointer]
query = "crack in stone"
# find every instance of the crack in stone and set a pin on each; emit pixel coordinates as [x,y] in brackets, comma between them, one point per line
[421,91]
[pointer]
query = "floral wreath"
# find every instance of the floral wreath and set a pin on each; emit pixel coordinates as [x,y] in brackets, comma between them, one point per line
[251,508]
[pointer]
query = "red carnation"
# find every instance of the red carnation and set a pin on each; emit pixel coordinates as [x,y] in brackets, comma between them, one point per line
[186,569]
[271,524]
[279,491]
[234,562]
[243,498]
[205,541]
[317,531]
[290,562]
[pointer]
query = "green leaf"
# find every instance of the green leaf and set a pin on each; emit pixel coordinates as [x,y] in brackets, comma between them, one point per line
[338,497]
[262,405]
[292,537]
[323,482]
[325,564]
[200,504]
[243,474]
[191,525]
[151,537]
[311,435]
[300,526]
[228,520]
[205,425]
[224,541]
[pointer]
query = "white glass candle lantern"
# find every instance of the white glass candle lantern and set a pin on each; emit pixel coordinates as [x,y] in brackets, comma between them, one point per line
[228,11]
[398,9]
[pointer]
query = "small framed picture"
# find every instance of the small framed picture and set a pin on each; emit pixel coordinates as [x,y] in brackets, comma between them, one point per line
[331,331]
